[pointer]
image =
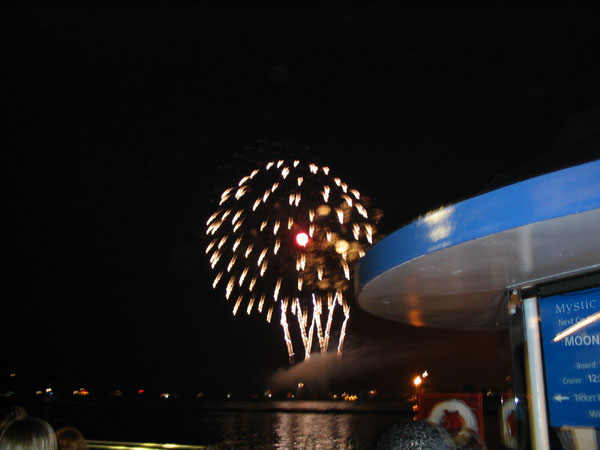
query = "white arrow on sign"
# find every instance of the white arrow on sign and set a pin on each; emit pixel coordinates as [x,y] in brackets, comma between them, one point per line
[559,398]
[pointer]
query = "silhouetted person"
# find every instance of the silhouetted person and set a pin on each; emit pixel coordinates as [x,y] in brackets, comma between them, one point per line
[415,435]
[13,413]
[29,433]
[70,438]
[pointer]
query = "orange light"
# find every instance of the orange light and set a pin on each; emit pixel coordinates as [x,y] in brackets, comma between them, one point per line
[302,239]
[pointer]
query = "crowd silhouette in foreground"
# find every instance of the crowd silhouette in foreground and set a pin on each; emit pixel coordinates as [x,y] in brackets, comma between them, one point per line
[22,432]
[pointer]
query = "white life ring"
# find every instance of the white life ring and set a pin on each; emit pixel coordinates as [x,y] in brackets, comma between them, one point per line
[508,407]
[437,413]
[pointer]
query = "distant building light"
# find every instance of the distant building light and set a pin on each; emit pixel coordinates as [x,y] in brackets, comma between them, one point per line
[82,392]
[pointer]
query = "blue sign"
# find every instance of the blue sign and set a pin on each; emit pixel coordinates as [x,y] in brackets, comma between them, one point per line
[571,339]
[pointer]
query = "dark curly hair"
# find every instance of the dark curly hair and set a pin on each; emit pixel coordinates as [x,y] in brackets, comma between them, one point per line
[415,435]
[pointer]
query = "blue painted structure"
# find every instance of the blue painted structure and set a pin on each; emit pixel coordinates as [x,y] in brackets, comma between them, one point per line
[561,193]
[451,267]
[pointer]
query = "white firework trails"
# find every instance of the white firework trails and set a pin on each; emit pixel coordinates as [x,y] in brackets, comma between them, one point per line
[257,258]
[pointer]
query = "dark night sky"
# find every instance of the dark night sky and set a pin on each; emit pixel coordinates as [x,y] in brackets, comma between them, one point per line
[119,123]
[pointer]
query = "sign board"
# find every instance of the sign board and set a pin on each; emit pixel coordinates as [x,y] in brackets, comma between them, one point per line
[571,339]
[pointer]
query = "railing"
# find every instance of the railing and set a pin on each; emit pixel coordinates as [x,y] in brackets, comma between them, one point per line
[112,445]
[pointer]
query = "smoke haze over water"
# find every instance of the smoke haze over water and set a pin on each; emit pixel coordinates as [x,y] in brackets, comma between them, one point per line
[454,359]
[323,369]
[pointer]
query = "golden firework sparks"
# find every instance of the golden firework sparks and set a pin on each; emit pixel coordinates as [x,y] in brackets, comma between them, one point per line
[250,223]
[250,304]
[346,309]
[277,288]
[252,283]
[217,279]
[240,192]
[231,263]
[347,199]
[243,276]
[238,225]
[210,246]
[356,231]
[237,243]
[277,245]
[225,195]
[212,217]
[238,302]
[262,256]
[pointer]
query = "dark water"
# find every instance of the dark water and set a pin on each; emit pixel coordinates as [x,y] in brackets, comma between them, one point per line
[294,424]
[224,425]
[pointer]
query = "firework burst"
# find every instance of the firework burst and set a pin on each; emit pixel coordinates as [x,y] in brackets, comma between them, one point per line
[284,239]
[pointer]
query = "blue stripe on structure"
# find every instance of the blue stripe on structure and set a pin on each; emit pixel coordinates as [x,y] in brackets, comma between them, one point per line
[568,191]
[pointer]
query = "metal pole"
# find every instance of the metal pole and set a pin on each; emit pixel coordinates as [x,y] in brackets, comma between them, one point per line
[535,375]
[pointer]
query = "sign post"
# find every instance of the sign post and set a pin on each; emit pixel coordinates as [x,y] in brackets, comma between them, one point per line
[571,338]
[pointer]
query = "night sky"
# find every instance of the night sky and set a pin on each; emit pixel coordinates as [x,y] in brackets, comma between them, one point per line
[121,123]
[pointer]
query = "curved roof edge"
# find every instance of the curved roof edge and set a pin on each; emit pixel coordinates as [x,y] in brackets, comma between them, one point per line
[568,191]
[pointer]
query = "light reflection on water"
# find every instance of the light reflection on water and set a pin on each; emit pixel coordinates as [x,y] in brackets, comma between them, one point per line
[295,429]
[285,430]
[306,431]
[228,425]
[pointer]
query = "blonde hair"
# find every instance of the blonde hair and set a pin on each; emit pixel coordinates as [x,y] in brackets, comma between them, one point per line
[29,433]
[70,438]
